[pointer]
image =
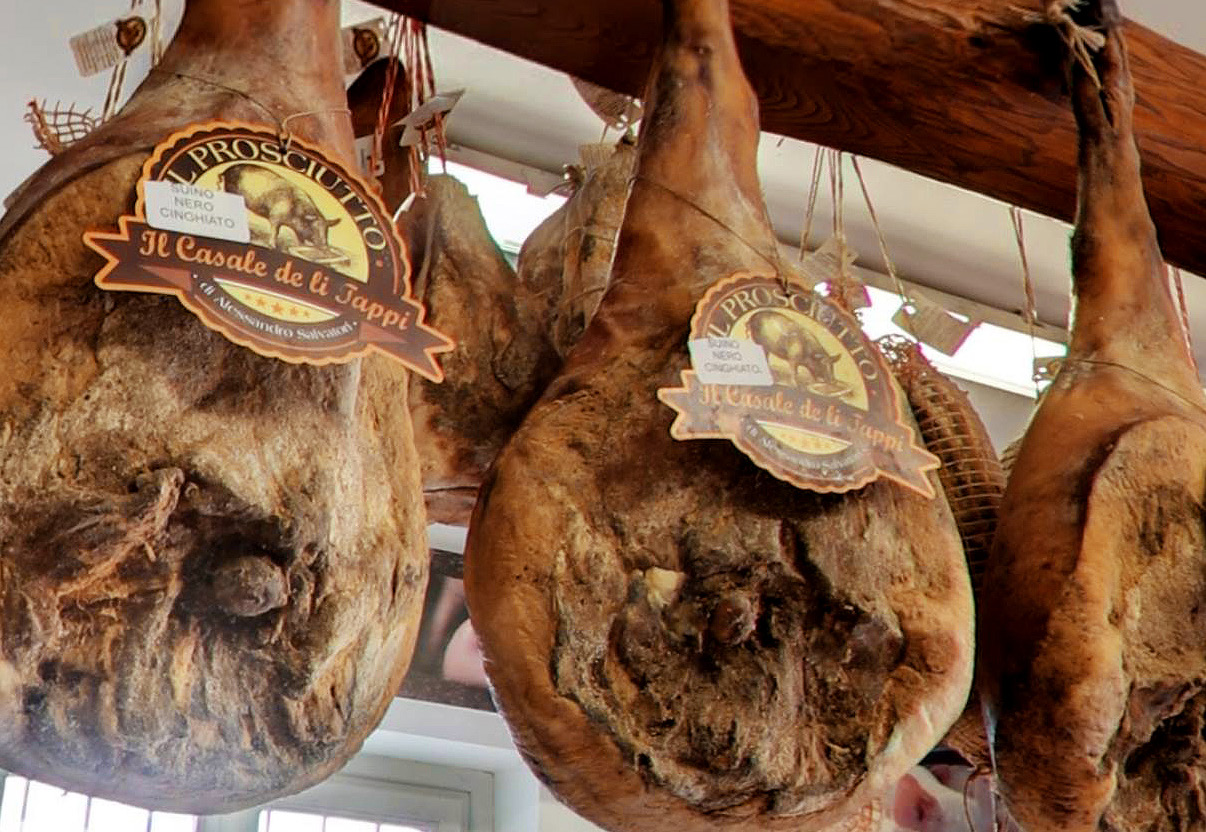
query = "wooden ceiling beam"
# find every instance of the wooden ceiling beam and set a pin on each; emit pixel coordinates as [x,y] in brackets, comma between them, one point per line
[968,92]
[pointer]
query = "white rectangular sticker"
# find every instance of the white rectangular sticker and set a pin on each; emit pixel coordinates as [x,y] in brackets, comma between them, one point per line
[730,361]
[172,206]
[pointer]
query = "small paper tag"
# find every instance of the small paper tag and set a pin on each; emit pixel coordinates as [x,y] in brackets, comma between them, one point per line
[827,262]
[931,324]
[364,155]
[422,116]
[188,209]
[106,45]
[730,361]
[596,155]
[362,44]
[1047,367]
[830,419]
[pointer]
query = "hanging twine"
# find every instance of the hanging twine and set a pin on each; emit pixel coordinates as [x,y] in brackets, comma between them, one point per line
[889,264]
[421,71]
[879,235]
[810,207]
[118,78]
[410,52]
[394,40]
[1180,287]
[844,288]
[116,81]
[1030,309]
[1082,41]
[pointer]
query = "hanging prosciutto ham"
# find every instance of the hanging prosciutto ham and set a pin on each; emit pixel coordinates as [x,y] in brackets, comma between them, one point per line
[676,639]
[211,563]
[1091,624]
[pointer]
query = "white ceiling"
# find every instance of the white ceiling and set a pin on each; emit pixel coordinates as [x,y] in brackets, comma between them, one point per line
[938,235]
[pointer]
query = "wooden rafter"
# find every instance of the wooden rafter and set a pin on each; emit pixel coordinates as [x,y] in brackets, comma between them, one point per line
[968,92]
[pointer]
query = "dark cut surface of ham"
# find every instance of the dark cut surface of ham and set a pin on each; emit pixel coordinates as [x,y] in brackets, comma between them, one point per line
[677,639]
[211,563]
[1090,665]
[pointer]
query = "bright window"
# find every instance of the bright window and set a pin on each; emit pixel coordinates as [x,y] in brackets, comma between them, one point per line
[30,806]
[279,820]
[372,794]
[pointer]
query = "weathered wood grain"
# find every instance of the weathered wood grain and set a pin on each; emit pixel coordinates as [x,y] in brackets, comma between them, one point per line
[969,92]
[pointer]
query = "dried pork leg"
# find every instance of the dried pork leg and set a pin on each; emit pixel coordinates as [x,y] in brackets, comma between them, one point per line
[503,357]
[973,480]
[211,563]
[677,639]
[971,474]
[566,260]
[1091,625]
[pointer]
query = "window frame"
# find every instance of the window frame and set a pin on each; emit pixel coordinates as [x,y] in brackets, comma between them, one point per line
[382,790]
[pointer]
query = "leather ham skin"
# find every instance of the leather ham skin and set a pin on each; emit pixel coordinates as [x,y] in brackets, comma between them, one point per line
[1092,622]
[677,639]
[212,564]
[503,356]
[566,260]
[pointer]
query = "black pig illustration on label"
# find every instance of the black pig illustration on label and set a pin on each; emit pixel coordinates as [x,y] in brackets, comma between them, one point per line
[270,196]
[785,339]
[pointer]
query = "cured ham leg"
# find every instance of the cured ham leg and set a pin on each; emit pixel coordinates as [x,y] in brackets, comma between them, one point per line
[211,563]
[676,639]
[1091,628]
[503,356]
[566,260]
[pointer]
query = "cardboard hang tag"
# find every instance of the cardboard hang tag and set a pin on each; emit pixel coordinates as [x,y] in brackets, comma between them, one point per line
[107,45]
[830,259]
[422,117]
[932,324]
[364,156]
[328,284]
[595,155]
[362,44]
[1047,367]
[789,378]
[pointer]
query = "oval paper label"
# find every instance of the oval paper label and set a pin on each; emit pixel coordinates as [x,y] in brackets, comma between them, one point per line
[830,420]
[276,247]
